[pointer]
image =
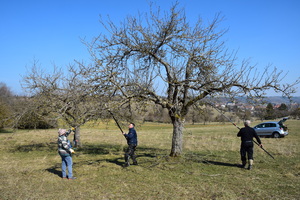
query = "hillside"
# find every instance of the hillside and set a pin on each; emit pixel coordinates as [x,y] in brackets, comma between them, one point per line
[269,99]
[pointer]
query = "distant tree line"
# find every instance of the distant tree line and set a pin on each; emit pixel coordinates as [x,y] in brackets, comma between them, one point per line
[23,113]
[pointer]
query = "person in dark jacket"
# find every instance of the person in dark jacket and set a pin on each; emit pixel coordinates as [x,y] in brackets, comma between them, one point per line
[247,133]
[132,142]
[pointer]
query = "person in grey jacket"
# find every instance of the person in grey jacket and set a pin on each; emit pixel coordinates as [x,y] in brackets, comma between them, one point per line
[65,151]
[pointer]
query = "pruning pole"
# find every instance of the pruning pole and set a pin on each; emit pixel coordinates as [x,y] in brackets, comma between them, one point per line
[115,120]
[238,128]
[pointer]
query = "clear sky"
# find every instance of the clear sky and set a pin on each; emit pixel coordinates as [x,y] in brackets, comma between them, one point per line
[50,31]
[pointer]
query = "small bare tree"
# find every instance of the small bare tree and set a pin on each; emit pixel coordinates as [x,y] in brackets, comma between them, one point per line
[163,58]
[68,97]
[5,103]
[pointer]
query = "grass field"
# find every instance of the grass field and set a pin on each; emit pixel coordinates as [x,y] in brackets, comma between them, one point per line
[30,165]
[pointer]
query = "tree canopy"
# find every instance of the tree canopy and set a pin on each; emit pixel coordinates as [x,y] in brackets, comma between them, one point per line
[163,58]
[159,57]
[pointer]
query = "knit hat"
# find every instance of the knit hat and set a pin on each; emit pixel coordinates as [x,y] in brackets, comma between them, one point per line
[61,131]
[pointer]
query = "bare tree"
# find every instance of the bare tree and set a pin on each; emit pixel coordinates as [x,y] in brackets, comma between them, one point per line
[163,58]
[5,103]
[63,96]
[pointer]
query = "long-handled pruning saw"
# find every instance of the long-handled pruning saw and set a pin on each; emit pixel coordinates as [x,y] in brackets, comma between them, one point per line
[115,120]
[238,127]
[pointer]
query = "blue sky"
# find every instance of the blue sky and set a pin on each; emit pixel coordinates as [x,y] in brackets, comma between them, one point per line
[267,31]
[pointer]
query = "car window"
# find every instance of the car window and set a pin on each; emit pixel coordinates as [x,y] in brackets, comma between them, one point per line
[265,125]
[272,125]
[260,126]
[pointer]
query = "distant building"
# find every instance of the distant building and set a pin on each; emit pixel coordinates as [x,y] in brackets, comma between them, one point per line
[230,104]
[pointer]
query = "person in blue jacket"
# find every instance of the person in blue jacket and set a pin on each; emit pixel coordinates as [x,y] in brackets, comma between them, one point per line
[132,142]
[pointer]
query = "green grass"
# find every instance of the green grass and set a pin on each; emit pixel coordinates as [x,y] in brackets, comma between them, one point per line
[30,165]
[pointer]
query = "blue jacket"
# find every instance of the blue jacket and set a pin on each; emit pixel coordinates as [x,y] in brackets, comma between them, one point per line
[131,137]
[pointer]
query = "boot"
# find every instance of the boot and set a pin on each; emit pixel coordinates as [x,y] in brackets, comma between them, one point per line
[134,160]
[244,164]
[127,164]
[250,164]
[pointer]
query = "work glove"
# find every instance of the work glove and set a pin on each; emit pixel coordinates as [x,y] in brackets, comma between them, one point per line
[73,128]
[71,150]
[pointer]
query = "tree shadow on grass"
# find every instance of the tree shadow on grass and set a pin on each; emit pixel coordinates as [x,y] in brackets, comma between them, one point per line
[36,147]
[103,149]
[120,163]
[207,159]
[2,130]
[92,149]
[115,150]
[54,170]
[210,162]
[100,149]
[115,161]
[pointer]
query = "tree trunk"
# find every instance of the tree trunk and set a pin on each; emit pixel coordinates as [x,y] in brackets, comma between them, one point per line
[77,141]
[177,141]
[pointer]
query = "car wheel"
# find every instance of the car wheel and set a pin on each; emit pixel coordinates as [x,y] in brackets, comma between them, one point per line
[276,135]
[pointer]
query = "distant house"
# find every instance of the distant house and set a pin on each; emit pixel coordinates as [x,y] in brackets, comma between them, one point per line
[230,104]
[249,107]
[276,106]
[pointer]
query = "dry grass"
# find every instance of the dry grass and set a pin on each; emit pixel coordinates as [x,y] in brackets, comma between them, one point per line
[30,166]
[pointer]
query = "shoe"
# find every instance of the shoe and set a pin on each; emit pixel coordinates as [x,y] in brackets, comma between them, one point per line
[64,178]
[72,178]
[135,163]
[126,165]
[249,167]
[243,165]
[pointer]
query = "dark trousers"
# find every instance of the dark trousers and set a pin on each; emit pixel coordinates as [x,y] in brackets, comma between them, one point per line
[130,153]
[246,149]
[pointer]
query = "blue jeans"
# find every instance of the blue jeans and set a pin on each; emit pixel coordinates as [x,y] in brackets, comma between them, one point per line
[66,161]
